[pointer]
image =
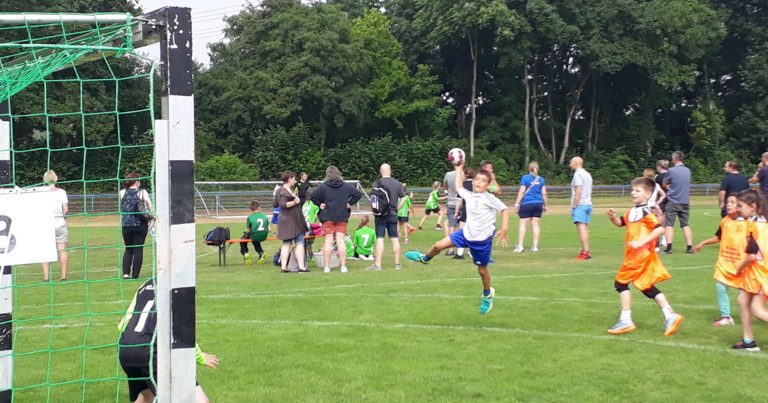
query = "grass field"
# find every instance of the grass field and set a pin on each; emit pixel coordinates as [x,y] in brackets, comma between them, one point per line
[408,335]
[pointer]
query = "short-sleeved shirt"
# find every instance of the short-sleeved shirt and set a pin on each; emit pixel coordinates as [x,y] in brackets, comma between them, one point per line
[395,190]
[432,200]
[302,188]
[481,214]
[582,178]
[310,211]
[732,234]
[642,266]
[259,226]
[450,184]
[364,239]
[403,212]
[533,186]
[678,182]
[734,183]
[59,200]
[762,174]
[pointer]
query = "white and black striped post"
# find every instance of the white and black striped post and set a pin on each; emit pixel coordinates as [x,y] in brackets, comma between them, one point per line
[175,199]
[6,276]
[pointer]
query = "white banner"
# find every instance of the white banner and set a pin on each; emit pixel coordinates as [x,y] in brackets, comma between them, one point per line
[27,229]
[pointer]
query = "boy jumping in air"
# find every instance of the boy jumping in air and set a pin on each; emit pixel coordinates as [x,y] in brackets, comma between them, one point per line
[642,266]
[478,233]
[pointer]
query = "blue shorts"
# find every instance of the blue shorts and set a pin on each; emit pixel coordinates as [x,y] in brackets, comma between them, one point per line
[581,214]
[275,214]
[531,210]
[480,250]
[386,224]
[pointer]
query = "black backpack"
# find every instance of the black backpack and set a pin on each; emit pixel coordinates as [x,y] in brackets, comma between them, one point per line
[217,236]
[380,199]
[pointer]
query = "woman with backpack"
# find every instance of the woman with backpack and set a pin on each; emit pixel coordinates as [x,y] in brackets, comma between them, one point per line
[530,205]
[135,205]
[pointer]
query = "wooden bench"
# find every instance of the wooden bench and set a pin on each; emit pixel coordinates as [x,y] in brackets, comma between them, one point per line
[223,246]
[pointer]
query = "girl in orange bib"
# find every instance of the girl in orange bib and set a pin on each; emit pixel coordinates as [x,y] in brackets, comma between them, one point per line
[732,236]
[753,268]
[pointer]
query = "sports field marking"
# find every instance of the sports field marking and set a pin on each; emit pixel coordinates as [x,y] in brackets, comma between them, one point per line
[424,281]
[490,329]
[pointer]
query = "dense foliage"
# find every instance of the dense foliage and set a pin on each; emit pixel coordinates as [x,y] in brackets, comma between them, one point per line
[300,85]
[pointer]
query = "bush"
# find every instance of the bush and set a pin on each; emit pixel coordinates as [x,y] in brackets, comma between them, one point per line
[225,167]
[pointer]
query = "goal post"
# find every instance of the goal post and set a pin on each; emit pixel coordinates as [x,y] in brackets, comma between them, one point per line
[32,48]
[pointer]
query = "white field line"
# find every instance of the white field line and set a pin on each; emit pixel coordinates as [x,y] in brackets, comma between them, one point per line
[490,329]
[416,282]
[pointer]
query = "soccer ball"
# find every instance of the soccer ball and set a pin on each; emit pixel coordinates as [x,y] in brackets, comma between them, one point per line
[456,156]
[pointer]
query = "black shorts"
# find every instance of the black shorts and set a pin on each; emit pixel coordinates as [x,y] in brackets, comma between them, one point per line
[533,210]
[386,224]
[402,219]
[435,210]
[135,363]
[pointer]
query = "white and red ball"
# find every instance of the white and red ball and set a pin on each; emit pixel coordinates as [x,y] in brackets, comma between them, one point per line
[456,156]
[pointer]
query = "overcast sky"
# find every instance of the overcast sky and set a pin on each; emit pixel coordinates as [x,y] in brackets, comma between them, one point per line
[207,22]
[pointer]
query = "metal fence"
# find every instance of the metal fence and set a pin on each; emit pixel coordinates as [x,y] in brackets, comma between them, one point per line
[224,203]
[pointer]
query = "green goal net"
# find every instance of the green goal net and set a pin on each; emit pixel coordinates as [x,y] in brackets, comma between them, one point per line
[76,99]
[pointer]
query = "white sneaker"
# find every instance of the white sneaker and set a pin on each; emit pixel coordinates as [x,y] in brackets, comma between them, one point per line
[326,269]
[344,269]
[519,249]
[535,249]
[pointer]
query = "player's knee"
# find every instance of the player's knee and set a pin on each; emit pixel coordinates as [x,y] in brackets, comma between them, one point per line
[652,292]
[620,287]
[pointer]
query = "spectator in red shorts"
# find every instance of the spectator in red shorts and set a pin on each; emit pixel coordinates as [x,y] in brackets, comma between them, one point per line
[335,198]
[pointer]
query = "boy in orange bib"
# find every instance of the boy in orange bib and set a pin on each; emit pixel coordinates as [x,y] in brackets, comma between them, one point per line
[754,268]
[642,266]
[732,236]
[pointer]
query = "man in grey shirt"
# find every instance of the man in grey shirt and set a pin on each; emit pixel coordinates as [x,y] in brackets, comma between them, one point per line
[449,183]
[678,186]
[581,204]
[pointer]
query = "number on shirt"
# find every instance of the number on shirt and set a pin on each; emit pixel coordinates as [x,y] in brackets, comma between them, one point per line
[144,314]
[366,238]
[260,221]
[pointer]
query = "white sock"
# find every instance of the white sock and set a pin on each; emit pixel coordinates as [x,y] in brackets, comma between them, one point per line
[460,251]
[667,311]
[626,315]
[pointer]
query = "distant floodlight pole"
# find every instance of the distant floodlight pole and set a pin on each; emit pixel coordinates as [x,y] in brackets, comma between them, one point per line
[175,196]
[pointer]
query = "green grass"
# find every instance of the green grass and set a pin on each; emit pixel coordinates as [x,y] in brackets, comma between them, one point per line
[408,335]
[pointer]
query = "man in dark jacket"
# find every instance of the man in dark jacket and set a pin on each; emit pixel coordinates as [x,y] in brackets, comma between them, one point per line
[335,199]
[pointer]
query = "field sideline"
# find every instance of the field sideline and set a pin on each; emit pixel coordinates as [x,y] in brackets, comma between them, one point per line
[407,335]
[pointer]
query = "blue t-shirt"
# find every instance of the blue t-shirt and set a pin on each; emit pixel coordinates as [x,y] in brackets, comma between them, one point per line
[533,186]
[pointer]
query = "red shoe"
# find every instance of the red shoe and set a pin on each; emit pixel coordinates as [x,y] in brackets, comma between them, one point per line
[584,256]
[411,230]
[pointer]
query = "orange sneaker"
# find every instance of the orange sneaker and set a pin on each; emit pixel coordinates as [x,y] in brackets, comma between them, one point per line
[622,326]
[672,324]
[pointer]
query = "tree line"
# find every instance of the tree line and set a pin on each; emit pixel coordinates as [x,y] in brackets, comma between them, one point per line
[354,83]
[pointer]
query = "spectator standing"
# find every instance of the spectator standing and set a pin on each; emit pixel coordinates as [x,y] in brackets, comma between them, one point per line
[303,186]
[581,204]
[661,173]
[134,205]
[761,175]
[290,223]
[60,210]
[733,182]
[678,185]
[531,203]
[335,198]
[387,224]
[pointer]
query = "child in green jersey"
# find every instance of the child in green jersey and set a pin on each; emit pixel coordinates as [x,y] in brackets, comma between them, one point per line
[310,211]
[257,229]
[364,239]
[433,206]
[402,216]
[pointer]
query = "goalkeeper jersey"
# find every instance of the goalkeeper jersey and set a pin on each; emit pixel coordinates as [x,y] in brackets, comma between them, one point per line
[138,324]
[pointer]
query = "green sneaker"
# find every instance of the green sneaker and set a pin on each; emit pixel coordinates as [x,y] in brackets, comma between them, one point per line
[417,256]
[247,258]
[262,257]
[486,304]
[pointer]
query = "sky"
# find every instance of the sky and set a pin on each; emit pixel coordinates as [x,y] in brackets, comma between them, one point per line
[207,22]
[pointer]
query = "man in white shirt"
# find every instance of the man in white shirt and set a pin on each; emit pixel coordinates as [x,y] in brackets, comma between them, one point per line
[581,204]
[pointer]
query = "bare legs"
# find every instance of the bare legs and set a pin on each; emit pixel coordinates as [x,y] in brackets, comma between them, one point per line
[63,261]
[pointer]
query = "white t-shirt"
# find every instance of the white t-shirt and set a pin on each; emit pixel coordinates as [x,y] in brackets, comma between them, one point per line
[481,214]
[654,196]
[59,200]
[582,178]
